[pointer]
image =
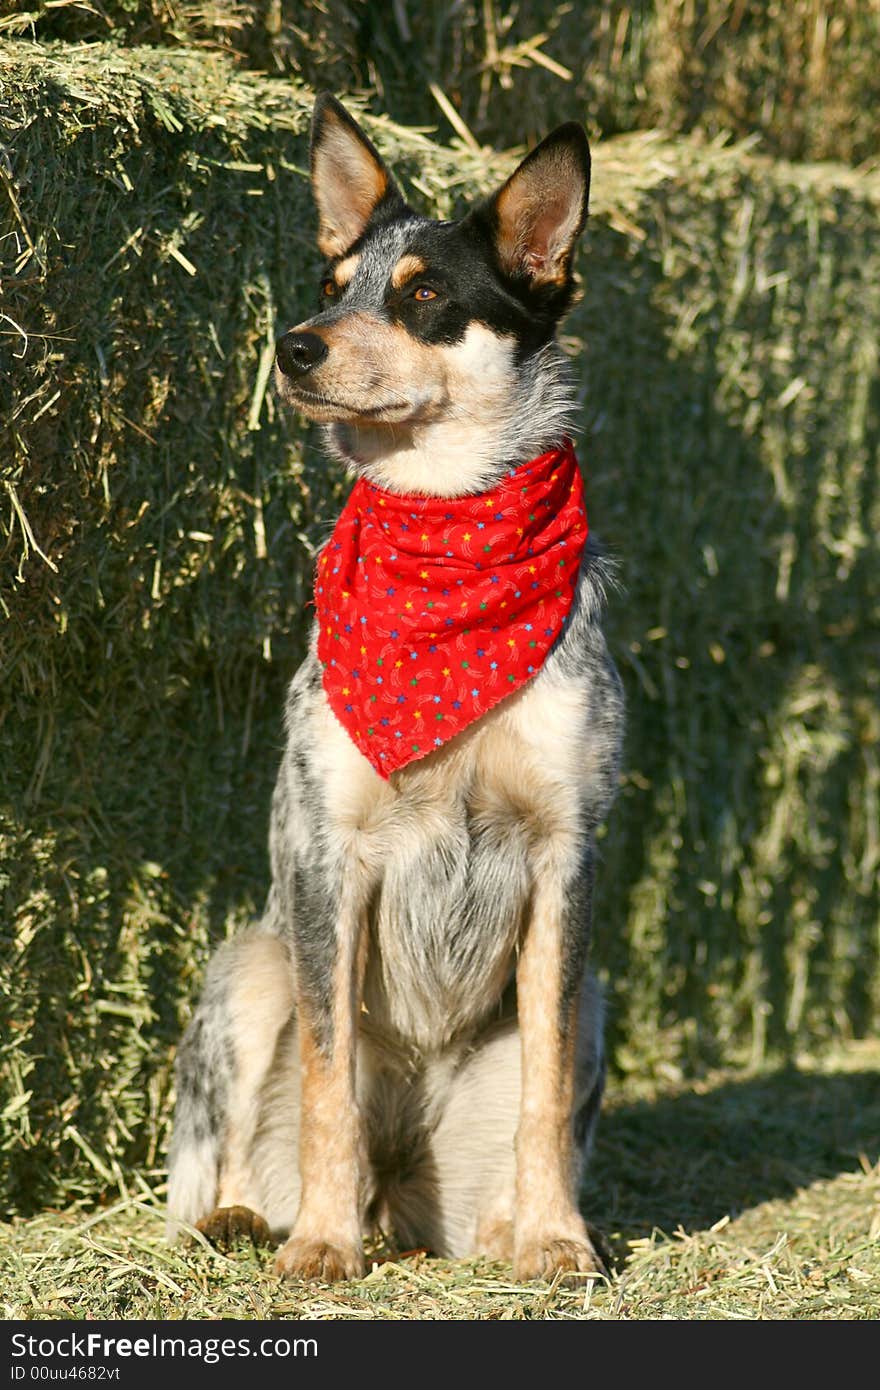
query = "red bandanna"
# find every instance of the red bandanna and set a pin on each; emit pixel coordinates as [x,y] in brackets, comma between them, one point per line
[432,609]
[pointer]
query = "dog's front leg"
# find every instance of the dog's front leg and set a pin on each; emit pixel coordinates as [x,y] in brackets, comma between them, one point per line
[549,1231]
[326,1241]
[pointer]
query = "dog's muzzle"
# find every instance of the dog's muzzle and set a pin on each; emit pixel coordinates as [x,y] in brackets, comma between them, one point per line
[298,353]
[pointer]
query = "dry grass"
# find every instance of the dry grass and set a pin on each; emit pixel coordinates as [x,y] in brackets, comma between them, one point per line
[751,1197]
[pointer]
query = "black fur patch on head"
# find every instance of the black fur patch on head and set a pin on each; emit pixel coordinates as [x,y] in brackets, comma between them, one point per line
[508,262]
[505,264]
[468,290]
[544,305]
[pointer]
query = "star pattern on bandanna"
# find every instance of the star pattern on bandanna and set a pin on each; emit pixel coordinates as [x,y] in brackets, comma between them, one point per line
[432,610]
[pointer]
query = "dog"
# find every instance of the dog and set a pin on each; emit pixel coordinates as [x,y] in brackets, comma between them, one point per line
[410,1039]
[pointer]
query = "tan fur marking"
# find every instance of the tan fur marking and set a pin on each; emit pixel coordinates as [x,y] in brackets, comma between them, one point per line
[524,782]
[407,267]
[326,1240]
[549,1230]
[369,340]
[424,400]
[345,270]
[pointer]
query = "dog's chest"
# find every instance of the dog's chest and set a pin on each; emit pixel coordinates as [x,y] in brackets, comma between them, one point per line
[449,849]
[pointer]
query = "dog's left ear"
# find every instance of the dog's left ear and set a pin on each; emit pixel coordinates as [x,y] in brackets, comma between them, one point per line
[539,213]
[349,179]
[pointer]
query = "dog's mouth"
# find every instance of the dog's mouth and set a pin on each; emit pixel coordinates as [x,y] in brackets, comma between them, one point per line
[321,406]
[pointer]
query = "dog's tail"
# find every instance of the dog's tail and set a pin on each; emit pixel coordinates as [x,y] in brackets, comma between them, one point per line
[194,1155]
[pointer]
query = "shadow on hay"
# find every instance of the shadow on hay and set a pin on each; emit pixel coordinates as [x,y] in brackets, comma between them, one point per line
[738,878]
[147,843]
[689,1160]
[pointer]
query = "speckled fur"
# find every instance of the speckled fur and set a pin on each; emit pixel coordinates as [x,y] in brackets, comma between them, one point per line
[434,887]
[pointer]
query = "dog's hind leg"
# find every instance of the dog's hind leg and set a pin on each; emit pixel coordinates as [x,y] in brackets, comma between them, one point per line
[236,1042]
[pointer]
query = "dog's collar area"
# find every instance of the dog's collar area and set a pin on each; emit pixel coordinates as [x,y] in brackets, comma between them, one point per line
[432,610]
[508,492]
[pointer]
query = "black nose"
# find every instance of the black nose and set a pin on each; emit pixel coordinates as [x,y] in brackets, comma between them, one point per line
[298,353]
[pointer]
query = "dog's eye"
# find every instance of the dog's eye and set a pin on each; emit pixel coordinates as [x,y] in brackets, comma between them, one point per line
[423,294]
[329,289]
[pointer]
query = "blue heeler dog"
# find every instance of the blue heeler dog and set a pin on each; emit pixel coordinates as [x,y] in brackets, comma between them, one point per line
[410,1038]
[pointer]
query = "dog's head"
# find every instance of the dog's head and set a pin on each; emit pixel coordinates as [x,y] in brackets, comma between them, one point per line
[431,356]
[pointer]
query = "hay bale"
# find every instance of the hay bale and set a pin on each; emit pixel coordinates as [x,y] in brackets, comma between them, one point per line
[314,39]
[801,75]
[158,528]
[733,417]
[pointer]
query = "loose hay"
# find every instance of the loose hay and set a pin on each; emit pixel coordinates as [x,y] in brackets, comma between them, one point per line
[160,519]
[750,1198]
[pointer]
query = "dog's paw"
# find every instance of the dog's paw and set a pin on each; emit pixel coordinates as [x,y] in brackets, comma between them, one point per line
[302,1258]
[226,1225]
[566,1256]
[495,1239]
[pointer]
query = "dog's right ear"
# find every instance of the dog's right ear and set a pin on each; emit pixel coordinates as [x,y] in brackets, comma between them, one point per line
[349,180]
